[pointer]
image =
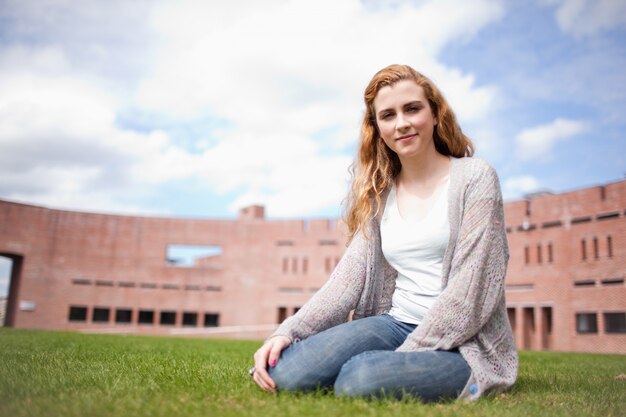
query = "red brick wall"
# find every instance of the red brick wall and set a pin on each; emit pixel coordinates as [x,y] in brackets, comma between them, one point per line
[269,264]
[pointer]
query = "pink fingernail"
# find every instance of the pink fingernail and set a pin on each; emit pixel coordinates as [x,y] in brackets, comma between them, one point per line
[273,363]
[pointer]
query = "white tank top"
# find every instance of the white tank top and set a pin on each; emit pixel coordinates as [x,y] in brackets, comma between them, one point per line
[415,249]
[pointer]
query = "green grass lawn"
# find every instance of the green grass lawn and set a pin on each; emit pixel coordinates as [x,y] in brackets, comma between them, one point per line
[66,374]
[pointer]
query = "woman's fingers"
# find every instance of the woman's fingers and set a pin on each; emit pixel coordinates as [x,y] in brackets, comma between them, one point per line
[268,354]
[260,376]
[278,345]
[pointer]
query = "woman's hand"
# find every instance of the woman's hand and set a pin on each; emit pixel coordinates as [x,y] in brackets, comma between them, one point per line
[268,354]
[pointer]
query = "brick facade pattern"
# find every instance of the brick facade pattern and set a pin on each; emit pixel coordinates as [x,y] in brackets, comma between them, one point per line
[108,273]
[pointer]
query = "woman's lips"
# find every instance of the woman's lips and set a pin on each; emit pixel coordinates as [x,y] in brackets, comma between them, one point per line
[406,137]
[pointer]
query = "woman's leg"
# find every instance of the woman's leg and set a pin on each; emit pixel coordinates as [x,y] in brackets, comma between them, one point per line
[429,375]
[315,362]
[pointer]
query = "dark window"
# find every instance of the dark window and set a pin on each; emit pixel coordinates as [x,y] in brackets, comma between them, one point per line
[296,309]
[81,281]
[211,320]
[586,322]
[168,318]
[328,265]
[192,288]
[77,313]
[190,319]
[104,283]
[123,315]
[585,283]
[294,265]
[609,246]
[126,284]
[550,254]
[581,220]
[147,285]
[607,216]
[526,255]
[170,287]
[583,249]
[596,251]
[285,265]
[328,242]
[548,225]
[615,322]
[539,260]
[101,314]
[602,192]
[284,243]
[213,288]
[305,265]
[282,314]
[547,318]
[146,317]
[613,281]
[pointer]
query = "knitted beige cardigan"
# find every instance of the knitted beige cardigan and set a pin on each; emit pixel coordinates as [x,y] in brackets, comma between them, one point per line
[470,312]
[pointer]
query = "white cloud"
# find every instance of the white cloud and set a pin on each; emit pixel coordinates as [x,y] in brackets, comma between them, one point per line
[285,76]
[587,17]
[516,187]
[539,140]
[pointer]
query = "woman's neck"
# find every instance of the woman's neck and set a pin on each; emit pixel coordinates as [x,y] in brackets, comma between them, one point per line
[426,172]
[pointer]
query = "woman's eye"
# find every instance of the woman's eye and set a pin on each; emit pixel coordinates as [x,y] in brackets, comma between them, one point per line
[413,109]
[386,116]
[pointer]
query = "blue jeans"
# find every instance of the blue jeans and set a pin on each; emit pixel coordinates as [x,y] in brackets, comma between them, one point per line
[358,358]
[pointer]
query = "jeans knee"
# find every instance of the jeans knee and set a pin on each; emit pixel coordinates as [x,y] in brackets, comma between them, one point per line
[292,378]
[352,381]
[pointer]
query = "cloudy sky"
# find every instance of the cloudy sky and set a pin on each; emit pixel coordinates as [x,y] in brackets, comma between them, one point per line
[198,108]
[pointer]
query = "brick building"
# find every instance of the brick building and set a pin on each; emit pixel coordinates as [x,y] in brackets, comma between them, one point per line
[109,273]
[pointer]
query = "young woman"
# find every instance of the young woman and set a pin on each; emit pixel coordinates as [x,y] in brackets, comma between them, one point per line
[423,274]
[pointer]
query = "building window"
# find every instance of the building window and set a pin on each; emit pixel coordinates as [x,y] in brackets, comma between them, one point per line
[123,315]
[586,323]
[585,283]
[539,259]
[526,255]
[328,264]
[550,254]
[583,249]
[615,322]
[547,319]
[146,317]
[296,309]
[305,265]
[282,314]
[285,265]
[609,246]
[77,313]
[190,318]
[294,265]
[596,252]
[101,315]
[211,320]
[168,318]
[613,281]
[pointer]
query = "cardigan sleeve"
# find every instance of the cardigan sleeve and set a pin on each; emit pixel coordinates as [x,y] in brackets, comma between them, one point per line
[475,284]
[332,304]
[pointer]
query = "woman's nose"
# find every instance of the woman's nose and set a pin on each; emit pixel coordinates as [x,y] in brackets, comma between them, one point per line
[402,122]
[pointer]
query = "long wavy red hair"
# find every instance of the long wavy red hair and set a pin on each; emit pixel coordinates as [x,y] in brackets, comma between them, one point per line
[376,166]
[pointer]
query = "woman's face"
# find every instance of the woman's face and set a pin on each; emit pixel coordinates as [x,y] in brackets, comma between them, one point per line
[404,118]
